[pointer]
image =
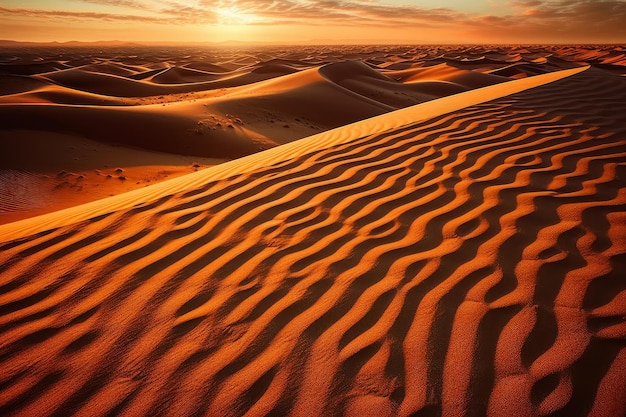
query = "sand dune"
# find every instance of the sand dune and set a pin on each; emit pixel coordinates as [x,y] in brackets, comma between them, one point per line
[293,105]
[15,84]
[181,75]
[445,72]
[103,83]
[467,261]
[24,160]
[54,94]
[272,103]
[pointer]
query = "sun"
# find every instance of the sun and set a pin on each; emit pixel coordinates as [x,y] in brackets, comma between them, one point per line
[233,16]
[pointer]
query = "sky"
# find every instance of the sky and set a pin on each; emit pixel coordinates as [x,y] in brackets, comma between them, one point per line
[316,21]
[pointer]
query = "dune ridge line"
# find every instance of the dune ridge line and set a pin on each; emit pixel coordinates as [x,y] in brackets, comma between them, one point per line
[374,125]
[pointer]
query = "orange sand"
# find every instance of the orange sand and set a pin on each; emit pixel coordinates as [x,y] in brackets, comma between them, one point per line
[461,257]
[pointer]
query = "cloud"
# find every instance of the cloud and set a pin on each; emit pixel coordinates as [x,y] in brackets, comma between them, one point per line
[173,13]
[338,12]
[528,20]
[563,20]
[70,15]
[524,4]
[131,4]
[307,12]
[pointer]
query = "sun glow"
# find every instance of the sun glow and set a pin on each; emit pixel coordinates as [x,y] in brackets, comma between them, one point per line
[233,16]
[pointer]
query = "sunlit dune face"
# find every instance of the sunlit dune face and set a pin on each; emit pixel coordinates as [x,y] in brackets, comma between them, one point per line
[233,16]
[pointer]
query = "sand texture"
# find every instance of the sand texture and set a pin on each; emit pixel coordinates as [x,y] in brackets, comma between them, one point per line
[469,262]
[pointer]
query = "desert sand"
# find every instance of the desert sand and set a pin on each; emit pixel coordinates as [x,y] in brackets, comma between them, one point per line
[455,249]
[190,108]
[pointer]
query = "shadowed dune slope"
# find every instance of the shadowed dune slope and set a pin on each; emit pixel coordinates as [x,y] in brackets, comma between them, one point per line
[148,127]
[272,112]
[180,75]
[14,84]
[229,102]
[469,264]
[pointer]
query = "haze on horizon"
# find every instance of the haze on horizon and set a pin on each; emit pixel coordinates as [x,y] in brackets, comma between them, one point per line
[319,21]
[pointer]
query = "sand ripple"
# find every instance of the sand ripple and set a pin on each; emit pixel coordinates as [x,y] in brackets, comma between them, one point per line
[470,264]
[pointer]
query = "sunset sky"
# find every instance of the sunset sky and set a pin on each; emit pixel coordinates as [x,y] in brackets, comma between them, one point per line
[316,21]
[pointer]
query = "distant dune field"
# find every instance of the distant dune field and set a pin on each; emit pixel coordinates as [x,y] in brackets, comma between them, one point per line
[72,116]
[447,237]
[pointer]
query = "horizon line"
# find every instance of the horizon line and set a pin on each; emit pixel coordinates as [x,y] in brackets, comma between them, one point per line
[311,42]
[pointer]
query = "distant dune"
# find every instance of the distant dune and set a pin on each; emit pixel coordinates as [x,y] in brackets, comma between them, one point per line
[185,108]
[460,253]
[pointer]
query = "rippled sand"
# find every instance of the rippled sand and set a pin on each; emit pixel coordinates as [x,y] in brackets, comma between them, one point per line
[463,256]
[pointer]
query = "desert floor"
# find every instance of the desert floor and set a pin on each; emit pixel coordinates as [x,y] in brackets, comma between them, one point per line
[313,231]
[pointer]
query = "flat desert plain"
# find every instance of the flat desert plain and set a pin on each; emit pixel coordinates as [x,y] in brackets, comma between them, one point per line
[313,231]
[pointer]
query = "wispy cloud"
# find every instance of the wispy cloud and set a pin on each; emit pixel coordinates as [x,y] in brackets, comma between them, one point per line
[71,15]
[166,13]
[525,4]
[310,12]
[578,20]
[131,4]
[337,12]
[530,20]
